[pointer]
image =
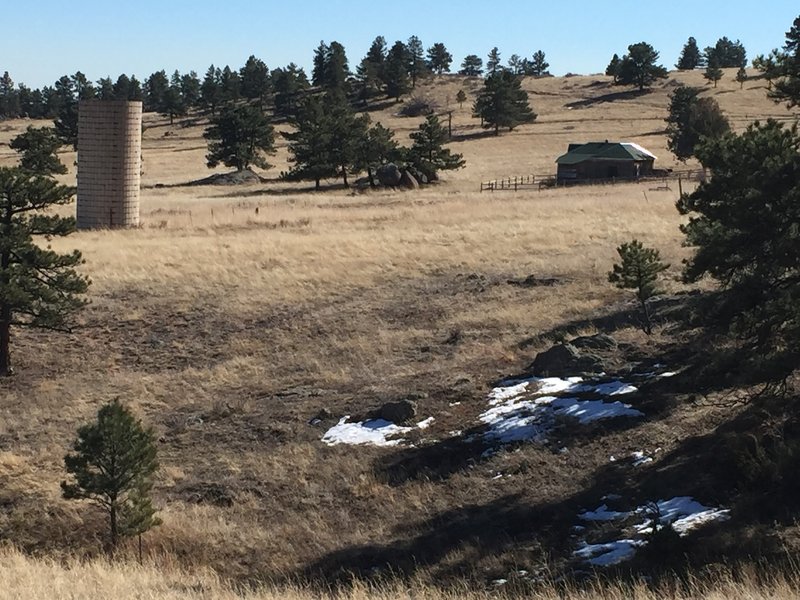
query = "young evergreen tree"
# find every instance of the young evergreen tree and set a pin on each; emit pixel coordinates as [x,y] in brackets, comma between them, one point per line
[439,59]
[538,65]
[461,97]
[713,73]
[396,71]
[112,464]
[690,57]
[768,66]
[428,154]
[786,66]
[638,270]
[238,137]
[38,148]
[39,287]
[743,226]
[638,67]
[503,103]
[691,119]
[378,147]
[741,77]
[472,66]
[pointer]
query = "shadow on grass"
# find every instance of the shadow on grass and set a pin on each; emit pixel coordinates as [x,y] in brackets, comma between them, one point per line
[612,97]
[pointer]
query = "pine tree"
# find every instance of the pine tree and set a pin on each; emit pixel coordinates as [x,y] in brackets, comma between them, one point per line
[310,144]
[517,65]
[239,137]
[493,61]
[318,71]
[288,85]
[254,76]
[768,66]
[230,86]
[105,88]
[612,70]
[787,69]
[538,65]
[370,73]
[639,67]
[461,97]
[503,102]
[66,123]
[9,98]
[113,463]
[38,286]
[439,59]
[691,119]
[378,147]
[84,89]
[726,54]
[155,91]
[38,148]
[173,103]
[741,77]
[743,226]
[428,154]
[396,72]
[190,90]
[690,56]
[472,66]
[337,70]
[211,90]
[713,72]
[415,56]
[638,270]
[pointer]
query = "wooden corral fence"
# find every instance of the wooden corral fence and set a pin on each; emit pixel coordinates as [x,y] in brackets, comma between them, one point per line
[661,178]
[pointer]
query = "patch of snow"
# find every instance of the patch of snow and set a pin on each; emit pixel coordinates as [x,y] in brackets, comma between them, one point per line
[455,403]
[667,374]
[424,424]
[503,393]
[603,513]
[640,458]
[558,385]
[499,582]
[615,388]
[376,432]
[684,513]
[610,553]
[587,411]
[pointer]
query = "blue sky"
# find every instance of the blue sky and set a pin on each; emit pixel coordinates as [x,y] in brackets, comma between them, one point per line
[45,39]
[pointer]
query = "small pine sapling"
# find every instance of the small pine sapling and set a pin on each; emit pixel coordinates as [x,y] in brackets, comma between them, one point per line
[638,270]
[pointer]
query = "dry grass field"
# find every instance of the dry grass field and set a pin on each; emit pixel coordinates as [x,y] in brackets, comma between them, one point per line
[235,314]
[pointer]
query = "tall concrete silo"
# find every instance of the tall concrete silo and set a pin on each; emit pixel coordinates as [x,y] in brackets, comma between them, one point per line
[109,163]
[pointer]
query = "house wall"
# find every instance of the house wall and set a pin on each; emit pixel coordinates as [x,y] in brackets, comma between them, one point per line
[604,169]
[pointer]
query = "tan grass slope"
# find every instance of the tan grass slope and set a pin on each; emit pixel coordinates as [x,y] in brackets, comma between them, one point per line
[233,315]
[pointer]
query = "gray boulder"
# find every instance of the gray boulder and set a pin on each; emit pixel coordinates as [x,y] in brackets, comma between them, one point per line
[389,175]
[408,181]
[398,412]
[565,360]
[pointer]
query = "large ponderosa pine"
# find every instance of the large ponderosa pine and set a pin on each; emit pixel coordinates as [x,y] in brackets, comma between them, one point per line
[503,103]
[113,464]
[255,80]
[472,66]
[743,224]
[396,71]
[38,286]
[439,59]
[639,66]
[238,137]
[691,119]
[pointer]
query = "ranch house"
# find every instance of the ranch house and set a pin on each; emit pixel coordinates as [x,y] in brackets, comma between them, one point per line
[604,160]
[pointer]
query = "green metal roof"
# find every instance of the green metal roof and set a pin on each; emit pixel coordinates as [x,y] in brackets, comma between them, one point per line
[579,153]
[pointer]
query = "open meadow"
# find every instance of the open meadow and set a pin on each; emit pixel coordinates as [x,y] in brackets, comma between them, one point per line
[235,315]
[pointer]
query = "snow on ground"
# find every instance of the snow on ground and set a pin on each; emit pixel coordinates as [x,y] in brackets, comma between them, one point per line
[376,432]
[611,553]
[526,410]
[425,423]
[684,513]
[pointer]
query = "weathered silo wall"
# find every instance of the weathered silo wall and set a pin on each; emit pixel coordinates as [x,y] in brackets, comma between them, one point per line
[109,163]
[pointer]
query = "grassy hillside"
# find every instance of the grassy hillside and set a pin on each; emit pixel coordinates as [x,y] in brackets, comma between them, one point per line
[235,314]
